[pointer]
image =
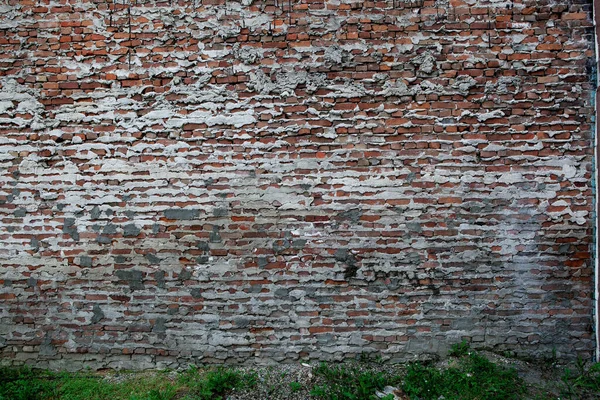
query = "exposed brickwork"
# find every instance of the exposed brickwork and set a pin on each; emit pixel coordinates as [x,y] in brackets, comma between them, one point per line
[232,182]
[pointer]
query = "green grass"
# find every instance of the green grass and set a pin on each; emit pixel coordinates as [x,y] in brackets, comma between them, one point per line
[295,387]
[468,376]
[193,384]
[584,382]
[215,383]
[459,349]
[157,387]
[471,377]
[25,384]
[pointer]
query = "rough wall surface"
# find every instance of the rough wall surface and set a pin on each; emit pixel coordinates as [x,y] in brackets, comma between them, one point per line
[259,181]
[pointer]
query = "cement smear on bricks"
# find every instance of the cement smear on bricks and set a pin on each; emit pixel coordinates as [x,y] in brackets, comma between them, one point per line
[240,182]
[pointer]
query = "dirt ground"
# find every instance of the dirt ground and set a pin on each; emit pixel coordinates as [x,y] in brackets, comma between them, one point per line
[295,381]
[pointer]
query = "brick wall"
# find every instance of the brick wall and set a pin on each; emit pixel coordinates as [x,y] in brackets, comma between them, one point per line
[211,181]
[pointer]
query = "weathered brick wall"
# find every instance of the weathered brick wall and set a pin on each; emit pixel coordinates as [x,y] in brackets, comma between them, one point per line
[216,181]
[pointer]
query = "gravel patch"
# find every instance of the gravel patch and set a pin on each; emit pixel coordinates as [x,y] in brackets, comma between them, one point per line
[295,381]
[286,381]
